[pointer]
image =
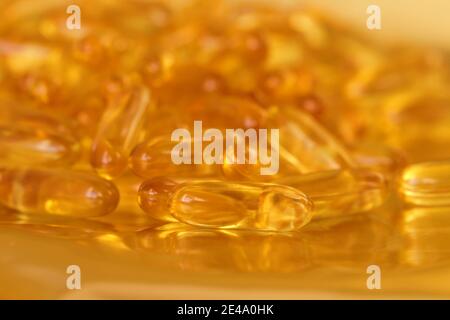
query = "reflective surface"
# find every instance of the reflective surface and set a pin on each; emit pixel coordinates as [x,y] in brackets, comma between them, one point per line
[104,100]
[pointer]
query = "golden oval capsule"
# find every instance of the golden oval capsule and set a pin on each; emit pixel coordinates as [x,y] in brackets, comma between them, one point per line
[59,192]
[20,146]
[302,146]
[153,197]
[426,184]
[236,205]
[341,192]
[306,144]
[153,158]
[32,138]
[228,205]
[120,129]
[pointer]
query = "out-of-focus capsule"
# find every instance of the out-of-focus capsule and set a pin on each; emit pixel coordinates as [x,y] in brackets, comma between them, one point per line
[59,192]
[304,147]
[154,158]
[226,112]
[426,184]
[233,205]
[341,192]
[28,137]
[307,144]
[120,129]
[379,158]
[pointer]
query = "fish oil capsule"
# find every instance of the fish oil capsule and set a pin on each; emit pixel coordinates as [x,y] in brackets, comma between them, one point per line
[154,158]
[59,192]
[153,198]
[341,192]
[379,158]
[20,146]
[426,184]
[304,146]
[119,131]
[28,137]
[235,205]
[241,206]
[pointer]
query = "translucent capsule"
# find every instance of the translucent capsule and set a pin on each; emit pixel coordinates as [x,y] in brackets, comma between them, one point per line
[154,158]
[153,198]
[119,130]
[306,143]
[59,192]
[304,146]
[19,145]
[28,137]
[230,205]
[379,158]
[341,192]
[426,184]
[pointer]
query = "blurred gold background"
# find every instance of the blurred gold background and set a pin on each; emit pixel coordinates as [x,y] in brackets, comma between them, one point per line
[177,262]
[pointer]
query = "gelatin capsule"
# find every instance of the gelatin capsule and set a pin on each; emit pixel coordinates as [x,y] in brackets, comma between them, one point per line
[426,184]
[232,205]
[120,129]
[304,147]
[154,158]
[153,198]
[32,138]
[341,192]
[306,144]
[20,146]
[59,192]
[379,158]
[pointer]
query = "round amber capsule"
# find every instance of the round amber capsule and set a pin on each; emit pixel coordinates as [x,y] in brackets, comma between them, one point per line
[426,184]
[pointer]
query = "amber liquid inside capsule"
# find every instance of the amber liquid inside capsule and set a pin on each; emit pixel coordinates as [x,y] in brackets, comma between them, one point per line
[426,184]
[59,192]
[341,192]
[240,206]
[229,205]
[154,158]
[120,129]
[32,138]
[305,146]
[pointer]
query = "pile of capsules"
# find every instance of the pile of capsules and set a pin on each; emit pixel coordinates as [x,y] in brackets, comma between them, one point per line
[86,115]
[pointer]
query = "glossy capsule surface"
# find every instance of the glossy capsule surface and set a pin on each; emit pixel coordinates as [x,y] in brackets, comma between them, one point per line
[341,192]
[304,146]
[229,205]
[426,184]
[119,131]
[29,137]
[59,192]
[154,158]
